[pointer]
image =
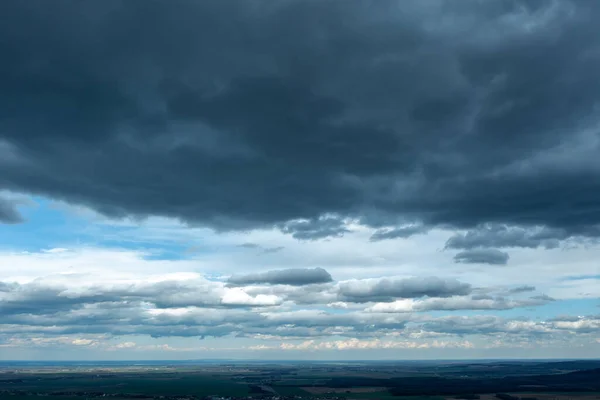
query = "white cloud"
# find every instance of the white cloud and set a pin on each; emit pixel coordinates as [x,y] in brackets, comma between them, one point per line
[237,297]
[357,344]
[454,303]
[125,345]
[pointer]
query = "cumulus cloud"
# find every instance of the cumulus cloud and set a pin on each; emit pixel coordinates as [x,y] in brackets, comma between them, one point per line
[294,277]
[367,290]
[50,295]
[237,297]
[482,256]
[187,305]
[84,309]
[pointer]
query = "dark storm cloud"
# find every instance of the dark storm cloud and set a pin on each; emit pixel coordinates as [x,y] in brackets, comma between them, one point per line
[253,114]
[8,212]
[482,256]
[294,277]
[386,290]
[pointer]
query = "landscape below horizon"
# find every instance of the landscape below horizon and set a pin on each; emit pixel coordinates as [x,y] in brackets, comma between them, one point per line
[417,380]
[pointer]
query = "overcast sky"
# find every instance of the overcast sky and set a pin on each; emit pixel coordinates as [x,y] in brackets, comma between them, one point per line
[310,179]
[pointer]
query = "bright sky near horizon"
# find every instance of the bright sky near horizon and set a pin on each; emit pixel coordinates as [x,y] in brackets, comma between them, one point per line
[299,179]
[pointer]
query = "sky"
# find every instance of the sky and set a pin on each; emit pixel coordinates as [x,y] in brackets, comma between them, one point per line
[299,179]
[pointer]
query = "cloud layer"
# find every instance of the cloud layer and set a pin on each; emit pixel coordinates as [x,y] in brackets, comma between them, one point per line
[189,305]
[101,306]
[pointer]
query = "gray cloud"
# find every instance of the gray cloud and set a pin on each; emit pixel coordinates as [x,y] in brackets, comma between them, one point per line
[128,319]
[8,212]
[482,297]
[263,250]
[479,324]
[298,286]
[271,250]
[543,297]
[447,114]
[317,228]
[522,289]
[362,291]
[504,236]
[482,256]
[294,277]
[249,246]
[399,232]
[490,325]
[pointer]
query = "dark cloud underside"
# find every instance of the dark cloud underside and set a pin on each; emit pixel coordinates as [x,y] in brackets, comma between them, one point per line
[301,114]
[294,277]
[391,289]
